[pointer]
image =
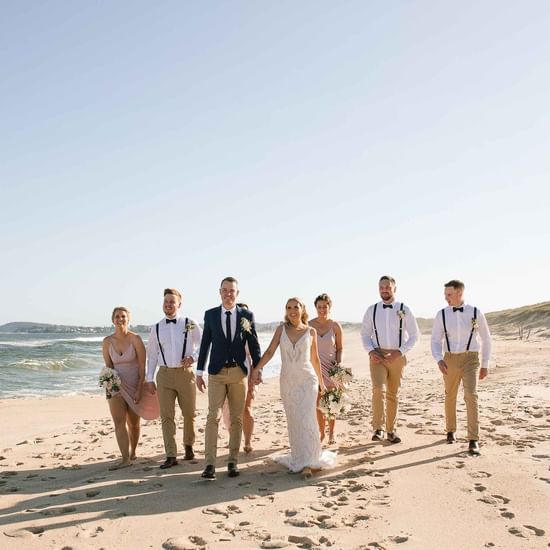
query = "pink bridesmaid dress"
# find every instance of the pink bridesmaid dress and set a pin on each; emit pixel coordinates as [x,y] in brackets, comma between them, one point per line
[126,364]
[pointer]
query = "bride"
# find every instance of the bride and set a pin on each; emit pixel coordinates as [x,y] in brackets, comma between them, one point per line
[300,380]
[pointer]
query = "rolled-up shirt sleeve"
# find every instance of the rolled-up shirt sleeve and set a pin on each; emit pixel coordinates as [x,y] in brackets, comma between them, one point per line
[367,330]
[411,329]
[485,337]
[437,338]
[152,355]
[196,335]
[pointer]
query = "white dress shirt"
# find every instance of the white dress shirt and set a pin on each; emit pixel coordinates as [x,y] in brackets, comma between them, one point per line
[387,327]
[233,320]
[172,337]
[459,327]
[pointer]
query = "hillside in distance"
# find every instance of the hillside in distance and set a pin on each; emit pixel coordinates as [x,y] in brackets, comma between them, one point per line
[521,322]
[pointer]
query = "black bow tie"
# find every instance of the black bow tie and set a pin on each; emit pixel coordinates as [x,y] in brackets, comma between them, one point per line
[171,321]
[387,305]
[461,309]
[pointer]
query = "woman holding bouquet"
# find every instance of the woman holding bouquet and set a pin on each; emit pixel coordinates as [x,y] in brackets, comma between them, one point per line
[330,344]
[299,382]
[124,352]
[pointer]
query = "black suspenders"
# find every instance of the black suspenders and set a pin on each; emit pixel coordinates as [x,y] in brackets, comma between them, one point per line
[185,338]
[472,331]
[402,308]
[184,342]
[447,336]
[374,324]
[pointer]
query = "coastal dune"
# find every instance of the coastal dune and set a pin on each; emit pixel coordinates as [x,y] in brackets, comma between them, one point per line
[57,492]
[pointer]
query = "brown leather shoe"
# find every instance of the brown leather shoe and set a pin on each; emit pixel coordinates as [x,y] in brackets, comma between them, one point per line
[189,454]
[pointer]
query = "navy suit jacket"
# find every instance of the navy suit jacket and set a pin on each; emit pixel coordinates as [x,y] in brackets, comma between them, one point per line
[213,340]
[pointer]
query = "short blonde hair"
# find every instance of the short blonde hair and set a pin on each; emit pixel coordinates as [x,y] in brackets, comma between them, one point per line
[173,292]
[304,316]
[120,308]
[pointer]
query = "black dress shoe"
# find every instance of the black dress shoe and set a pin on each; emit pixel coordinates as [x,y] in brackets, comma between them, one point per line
[393,438]
[473,447]
[169,462]
[451,437]
[209,472]
[378,435]
[189,454]
[232,470]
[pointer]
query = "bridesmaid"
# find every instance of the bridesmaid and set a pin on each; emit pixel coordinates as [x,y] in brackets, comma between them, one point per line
[330,344]
[124,351]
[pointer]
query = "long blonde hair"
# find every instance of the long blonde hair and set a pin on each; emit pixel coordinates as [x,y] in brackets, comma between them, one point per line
[304,317]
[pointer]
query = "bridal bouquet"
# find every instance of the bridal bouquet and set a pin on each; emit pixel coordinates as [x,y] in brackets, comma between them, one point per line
[334,402]
[340,376]
[109,380]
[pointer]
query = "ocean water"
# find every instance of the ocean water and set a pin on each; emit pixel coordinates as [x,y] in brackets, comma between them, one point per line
[34,365]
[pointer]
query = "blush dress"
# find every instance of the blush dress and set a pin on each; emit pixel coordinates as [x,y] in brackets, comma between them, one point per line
[127,367]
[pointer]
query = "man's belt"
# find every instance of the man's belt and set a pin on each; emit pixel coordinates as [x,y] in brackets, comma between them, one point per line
[230,365]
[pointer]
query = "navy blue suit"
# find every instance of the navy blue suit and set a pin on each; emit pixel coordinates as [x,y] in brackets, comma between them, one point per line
[213,340]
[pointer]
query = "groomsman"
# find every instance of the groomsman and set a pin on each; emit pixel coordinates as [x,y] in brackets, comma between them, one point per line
[389,331]
[459,333]
[173,346]
[227,330]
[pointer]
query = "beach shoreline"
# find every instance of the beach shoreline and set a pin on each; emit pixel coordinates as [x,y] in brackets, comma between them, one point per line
[57,490]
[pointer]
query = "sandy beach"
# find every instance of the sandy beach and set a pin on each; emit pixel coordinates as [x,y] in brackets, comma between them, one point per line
[57,492]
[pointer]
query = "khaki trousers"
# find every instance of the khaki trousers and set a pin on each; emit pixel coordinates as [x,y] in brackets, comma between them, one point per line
[462,367]
[231,384]
[172,384]
[386,382]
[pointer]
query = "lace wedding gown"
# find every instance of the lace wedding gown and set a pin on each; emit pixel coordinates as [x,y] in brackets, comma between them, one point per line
[299,385]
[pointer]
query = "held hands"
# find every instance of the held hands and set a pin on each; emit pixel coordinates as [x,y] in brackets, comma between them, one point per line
[187,362]
[256,376]
[137,395]
[392,355]
[150,387]
[376,356]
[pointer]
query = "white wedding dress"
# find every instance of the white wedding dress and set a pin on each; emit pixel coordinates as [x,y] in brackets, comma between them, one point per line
[299,385]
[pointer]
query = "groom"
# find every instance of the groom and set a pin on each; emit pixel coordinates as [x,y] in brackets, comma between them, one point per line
[227,330]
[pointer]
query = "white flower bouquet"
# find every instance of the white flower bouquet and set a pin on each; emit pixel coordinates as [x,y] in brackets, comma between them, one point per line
[340,376]
[334,402]
[110,381]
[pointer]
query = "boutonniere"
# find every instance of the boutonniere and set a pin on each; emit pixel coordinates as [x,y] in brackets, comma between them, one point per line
[246,325]
[189,326]
[474,323]
[401,314]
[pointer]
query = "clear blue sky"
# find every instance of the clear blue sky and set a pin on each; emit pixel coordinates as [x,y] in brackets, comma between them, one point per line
[302,147]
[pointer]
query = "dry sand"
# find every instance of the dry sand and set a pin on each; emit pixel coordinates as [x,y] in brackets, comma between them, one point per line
[57,492]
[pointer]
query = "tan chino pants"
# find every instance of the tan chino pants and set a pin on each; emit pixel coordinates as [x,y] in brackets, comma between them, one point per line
[231,384]
[386,383]
[462,367]
[172,384]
